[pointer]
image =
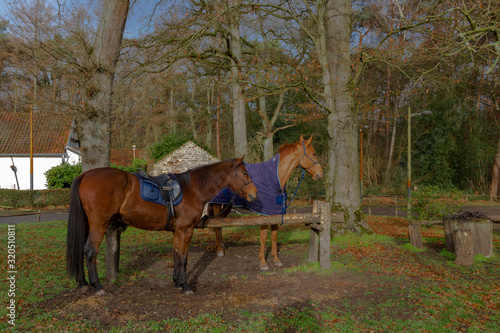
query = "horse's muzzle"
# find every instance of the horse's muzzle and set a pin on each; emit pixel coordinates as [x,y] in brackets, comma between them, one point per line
[318,176]
[251,197]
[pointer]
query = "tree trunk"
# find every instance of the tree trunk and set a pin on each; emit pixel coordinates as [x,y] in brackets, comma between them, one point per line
[210,100]
[95,119]
[391,150]
[267,129]
[495,179]
[238,98]
[343,182]
[173,123]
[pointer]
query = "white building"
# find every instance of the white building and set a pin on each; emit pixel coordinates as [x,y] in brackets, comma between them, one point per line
[54,142]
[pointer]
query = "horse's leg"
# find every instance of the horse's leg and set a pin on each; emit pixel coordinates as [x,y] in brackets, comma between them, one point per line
[274,245]
[262,251]
[113,234]
[91,248]
[219,245]
[182,238]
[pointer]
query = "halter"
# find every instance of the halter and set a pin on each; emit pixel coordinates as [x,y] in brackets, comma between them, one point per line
[309,157]
[236,175]
[285,206]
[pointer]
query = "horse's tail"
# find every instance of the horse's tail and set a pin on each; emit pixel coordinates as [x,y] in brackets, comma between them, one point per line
[78,230]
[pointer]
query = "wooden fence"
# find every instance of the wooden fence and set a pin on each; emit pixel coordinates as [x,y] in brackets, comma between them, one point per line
[319,220]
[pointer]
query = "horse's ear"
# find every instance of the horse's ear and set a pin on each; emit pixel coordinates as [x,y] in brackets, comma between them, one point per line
[301,138]
[310,140]
[239,160]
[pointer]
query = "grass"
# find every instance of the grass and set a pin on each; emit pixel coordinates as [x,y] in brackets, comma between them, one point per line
[400,288]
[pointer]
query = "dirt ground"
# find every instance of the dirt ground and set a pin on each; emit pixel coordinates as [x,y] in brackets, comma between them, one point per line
[225,285]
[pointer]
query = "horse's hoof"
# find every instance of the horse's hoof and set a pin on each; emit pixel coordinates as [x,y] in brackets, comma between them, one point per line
[100,292]
[264,267]
[188,292]
[220,254]
[278,263]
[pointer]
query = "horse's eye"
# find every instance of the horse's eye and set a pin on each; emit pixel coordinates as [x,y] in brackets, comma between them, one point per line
[244,173]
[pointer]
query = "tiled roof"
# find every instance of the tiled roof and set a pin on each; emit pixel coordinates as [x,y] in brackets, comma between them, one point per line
[50,133]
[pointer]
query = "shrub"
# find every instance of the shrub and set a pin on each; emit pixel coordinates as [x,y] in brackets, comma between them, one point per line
[62,176]
[15,199]
[169,143]
[429,204]
[137,164]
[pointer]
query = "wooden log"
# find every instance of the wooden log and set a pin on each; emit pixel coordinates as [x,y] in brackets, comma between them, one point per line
[415,238]
[464,247]
[286,219]
[482,234]
[425,222]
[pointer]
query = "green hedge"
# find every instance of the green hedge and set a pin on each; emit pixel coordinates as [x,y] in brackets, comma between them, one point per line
[16,199]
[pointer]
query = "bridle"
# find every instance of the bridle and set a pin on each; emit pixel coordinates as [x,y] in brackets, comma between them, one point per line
[236,175]
[309,157]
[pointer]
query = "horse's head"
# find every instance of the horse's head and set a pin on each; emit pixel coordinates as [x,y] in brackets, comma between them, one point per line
[309,161]
[241,182]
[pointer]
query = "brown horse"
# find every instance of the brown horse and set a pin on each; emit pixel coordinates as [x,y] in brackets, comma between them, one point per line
[300,153]
[104,195]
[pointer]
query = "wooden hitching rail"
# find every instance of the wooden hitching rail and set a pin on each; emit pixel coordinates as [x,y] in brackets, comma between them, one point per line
[319,220]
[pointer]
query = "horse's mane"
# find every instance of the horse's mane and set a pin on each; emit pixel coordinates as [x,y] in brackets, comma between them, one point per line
[287,148]
[185,177]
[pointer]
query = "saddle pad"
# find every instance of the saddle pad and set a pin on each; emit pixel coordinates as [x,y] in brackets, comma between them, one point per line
[150,192]
[271,197]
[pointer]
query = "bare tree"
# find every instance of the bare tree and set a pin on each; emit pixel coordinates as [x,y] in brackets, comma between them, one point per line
[95,119]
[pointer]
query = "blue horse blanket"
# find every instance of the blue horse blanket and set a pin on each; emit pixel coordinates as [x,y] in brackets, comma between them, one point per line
[271,196]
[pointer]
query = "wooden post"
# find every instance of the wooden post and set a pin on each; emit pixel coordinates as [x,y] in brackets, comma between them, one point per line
[313,254]
[464,247]
[415,238]
[113,235]
[324,237]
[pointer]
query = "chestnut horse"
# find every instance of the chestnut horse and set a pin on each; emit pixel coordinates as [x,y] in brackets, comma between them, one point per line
[104,195]
[300,153]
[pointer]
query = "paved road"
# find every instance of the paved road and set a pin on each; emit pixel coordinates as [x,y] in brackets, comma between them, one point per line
[43,217]
[492,212]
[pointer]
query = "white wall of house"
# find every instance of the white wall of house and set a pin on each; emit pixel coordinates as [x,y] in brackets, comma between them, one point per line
[41,163]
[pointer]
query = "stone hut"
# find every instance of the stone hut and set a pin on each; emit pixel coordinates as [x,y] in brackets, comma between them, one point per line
[187,156]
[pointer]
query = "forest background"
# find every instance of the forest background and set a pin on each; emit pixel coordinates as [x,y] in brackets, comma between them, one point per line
[181,72]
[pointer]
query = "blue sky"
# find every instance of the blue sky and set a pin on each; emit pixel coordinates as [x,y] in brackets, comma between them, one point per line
[139,15]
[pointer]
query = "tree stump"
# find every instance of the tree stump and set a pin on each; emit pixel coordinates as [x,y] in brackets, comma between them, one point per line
[464,247]
[481,231]
[415,238]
